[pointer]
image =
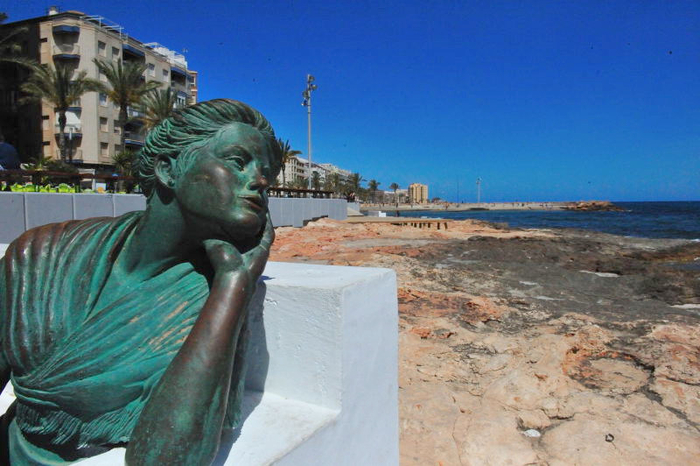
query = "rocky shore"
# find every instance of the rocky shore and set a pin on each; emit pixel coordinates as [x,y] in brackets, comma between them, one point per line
[466,206]
[593,206]
[533,346]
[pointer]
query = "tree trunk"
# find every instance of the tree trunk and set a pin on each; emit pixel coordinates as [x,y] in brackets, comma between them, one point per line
[122,124]
[284,178]
[62,135]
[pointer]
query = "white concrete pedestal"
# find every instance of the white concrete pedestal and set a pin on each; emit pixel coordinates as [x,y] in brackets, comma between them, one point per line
[322,384]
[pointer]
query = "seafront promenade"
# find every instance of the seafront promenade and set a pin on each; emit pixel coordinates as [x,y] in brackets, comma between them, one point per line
[464,206]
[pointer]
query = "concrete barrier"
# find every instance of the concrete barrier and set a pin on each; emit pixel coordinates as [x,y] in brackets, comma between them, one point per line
[21,211]
[322,385]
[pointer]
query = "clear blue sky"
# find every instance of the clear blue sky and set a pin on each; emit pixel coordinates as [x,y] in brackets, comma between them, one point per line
[543,100]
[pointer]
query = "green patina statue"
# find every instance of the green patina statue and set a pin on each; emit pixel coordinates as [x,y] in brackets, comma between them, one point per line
[132,331]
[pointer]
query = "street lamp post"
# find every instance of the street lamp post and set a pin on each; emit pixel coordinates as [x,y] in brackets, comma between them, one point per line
[310,86]
[478,190]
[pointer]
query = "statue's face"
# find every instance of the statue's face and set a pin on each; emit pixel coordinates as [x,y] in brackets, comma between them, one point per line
[223,194]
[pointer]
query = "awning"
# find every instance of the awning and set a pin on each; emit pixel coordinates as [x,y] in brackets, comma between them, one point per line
[133,50]
[64,28]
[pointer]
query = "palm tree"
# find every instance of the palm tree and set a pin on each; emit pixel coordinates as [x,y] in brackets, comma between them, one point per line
[373,185]
[335,181]
[354,182]
[127,87]
[123,165]
[287,154]
[55,86]
[9,47]
[316,180]
[157,105]
[298,183]
[123,162]
[395,187]
[37,163]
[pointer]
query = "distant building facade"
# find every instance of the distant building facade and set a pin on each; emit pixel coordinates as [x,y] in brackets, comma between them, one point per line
[417,193]
[331,169]
[390,197]
[297,168]
[74,39]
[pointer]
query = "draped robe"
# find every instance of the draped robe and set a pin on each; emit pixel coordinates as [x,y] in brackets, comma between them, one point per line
[83,367]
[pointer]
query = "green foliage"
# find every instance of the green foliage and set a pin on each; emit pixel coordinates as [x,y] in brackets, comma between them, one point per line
[126,86]
[38,163]
[373,185]
[60,166]
[56,87]
[316,181]
[287,154]
[335,184]
[157,105]
[354,181]
[10,50]
[298,183]
[124,162]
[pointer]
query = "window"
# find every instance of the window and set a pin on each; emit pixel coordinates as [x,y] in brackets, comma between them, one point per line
[151,69]
[103,99]
[117,130]
[103,77]
[104,149]
[165,74]
[115,52]
[104,124]
[44,39]
[101,48]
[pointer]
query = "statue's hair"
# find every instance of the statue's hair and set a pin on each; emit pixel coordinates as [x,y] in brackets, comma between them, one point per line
[192,127]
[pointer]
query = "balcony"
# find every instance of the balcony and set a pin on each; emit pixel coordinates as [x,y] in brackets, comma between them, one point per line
[132,138]
[71,130]
[178,71]
[66,51]
[135,117]
[134,113]
[131,51]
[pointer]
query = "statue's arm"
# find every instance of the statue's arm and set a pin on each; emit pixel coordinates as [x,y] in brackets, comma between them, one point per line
[182,422]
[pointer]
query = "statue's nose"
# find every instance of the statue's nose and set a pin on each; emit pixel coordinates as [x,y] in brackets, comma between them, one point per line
[259,182]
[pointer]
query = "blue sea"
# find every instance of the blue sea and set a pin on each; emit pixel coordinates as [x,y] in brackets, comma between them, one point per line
[640,219]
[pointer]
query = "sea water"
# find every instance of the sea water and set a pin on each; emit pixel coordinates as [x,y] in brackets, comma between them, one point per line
[640,219]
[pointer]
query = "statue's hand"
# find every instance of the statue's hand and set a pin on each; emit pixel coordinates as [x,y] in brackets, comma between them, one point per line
[226,258]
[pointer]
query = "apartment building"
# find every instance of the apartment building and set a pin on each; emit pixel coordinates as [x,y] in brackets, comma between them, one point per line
[417,193]
[295,168]
[74,39]
[329,169]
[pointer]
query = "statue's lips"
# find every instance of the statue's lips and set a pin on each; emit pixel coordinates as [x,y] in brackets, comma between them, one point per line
[255,202]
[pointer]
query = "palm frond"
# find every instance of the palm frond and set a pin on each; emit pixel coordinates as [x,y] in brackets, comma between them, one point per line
[157,105]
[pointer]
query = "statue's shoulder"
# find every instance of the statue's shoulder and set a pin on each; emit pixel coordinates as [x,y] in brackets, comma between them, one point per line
[69,233]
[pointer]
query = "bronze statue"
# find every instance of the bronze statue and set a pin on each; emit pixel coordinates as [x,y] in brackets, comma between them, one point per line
[130,331]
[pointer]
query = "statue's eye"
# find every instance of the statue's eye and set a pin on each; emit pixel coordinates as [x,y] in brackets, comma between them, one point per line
[237,160]
[238,155]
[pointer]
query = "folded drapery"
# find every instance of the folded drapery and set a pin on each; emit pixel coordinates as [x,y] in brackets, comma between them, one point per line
[85,359]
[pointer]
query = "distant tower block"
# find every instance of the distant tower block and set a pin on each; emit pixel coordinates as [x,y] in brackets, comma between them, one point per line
[418,193]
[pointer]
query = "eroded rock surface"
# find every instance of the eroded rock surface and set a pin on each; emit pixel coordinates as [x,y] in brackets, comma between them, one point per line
[534,347]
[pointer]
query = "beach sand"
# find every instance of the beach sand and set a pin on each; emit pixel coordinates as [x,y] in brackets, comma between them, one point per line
[533,346]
